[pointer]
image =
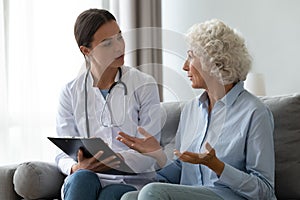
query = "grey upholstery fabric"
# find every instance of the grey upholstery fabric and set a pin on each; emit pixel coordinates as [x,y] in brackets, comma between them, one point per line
[6,183]
[36,180]
[286,113]
[171,115]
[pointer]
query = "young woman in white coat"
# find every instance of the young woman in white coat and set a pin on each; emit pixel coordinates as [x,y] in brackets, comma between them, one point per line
[105,99]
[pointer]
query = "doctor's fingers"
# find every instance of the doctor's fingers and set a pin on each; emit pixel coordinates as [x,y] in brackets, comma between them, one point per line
[100,167]
[107,163]
[80,155]
[125,141]
[98,157]
[143,132]
[130,143]
[135,139]
[127,137]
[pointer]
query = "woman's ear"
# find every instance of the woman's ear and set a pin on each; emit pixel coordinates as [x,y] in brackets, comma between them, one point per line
[84,50]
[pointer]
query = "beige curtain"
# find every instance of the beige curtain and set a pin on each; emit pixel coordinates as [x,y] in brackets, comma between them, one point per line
[140,21]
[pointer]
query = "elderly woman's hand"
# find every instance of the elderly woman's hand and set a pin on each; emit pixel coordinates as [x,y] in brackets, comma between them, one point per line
[208,158]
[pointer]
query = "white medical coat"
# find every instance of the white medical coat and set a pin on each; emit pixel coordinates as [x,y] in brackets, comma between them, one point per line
[142,108]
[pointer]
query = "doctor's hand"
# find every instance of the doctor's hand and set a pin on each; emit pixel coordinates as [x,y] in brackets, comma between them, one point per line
[95,163]
[148,145]
[145,145]
[208,158]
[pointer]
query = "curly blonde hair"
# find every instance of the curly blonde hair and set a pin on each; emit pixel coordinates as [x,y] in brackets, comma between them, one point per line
[221,49]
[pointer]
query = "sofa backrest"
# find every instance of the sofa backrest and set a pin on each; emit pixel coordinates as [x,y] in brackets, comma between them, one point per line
[171,110]
[286,113]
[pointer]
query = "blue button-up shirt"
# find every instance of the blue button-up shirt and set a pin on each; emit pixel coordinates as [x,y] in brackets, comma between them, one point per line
[240,129]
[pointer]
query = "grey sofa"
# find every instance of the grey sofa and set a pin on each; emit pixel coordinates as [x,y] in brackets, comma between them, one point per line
[40,180]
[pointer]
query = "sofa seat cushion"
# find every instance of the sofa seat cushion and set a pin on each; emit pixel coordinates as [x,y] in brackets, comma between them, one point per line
[36,180]
[286,113]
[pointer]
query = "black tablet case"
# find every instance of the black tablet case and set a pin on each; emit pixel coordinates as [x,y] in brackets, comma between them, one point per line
[90,146]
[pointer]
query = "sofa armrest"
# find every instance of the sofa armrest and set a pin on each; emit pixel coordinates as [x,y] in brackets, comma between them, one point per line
[38,180]
[6,182]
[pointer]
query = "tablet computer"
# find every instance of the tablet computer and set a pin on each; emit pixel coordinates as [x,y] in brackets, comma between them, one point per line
[90,146]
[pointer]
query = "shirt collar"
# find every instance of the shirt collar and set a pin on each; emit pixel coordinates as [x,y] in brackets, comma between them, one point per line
[203,98]
[90,79]
[233,94]
[229,98]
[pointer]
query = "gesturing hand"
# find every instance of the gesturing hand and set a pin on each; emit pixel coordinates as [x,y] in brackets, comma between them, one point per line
[208,158]
[95,163]
[148,145]
[145,145]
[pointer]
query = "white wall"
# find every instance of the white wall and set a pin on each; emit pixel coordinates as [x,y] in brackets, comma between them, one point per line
[270,27]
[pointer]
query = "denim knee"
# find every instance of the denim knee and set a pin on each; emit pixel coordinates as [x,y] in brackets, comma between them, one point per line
[82,184]
[84,177]
[115,191]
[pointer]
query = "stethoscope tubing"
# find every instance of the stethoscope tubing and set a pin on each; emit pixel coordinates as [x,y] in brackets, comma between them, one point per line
[109,91]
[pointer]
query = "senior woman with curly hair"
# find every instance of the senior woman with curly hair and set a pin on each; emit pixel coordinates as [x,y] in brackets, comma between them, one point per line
[224,140]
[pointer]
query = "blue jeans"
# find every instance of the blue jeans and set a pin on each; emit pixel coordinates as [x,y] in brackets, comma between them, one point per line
[85,184]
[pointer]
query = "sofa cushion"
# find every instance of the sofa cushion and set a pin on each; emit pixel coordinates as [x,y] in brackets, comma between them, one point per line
[35,180]
[6,184]
[286,113]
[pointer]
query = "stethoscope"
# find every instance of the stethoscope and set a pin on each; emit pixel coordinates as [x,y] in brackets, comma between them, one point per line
[112,124]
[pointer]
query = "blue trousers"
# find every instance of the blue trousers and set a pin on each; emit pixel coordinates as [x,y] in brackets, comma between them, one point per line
[85,184]
[166,191]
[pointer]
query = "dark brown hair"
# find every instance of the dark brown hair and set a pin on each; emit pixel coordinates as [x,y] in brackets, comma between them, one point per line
[88,22]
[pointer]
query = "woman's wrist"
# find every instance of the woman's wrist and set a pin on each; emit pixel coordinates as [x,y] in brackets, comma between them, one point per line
[159,156]
[217,166]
